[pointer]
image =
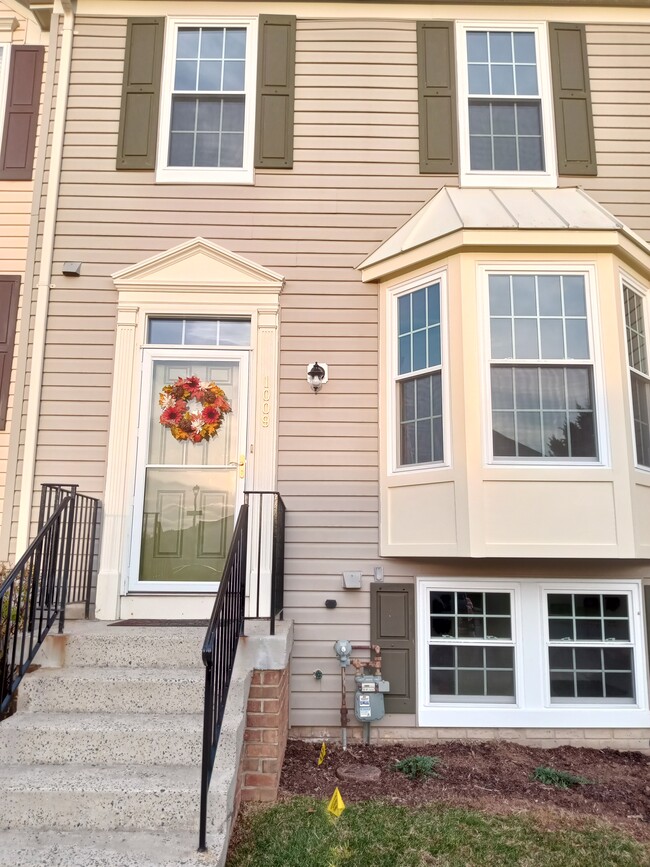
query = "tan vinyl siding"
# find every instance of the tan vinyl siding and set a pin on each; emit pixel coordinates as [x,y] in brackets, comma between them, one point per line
[355,180]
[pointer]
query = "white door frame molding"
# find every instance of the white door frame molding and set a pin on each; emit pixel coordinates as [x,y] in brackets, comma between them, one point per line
[197,278]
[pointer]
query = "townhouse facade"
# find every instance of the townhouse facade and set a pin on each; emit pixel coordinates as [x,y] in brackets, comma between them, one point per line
[446,207]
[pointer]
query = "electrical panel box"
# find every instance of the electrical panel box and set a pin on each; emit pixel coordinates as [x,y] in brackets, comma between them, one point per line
[369,697]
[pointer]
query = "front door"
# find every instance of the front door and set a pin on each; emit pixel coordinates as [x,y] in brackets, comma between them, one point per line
[187,493]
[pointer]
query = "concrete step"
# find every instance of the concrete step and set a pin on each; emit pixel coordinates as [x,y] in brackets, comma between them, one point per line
[93,643]
[108,849]
[113,690]
[102,738]
[107,798]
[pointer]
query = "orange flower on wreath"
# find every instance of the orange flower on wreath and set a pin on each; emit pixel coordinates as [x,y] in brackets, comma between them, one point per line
[195,423]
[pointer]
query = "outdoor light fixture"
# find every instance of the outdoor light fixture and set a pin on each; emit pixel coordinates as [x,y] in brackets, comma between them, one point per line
[316,375]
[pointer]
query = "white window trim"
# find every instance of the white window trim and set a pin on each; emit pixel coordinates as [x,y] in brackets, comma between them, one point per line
[532,707]
[202,175]
[474,178]
[5,57]
[591,285]
[393,401]
[627,281]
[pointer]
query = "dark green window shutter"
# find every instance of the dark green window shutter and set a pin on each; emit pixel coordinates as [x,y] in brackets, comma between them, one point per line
[437,97]
[21,115]
[392,627]
[9,289]
[276,62]
[136,147]
[574,123]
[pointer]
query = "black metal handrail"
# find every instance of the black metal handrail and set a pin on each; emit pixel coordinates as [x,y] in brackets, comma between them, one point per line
[261,519]
[85,515]
[32,597]
[219,651]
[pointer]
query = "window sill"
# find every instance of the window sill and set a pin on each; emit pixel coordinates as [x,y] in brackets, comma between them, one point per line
[581,716]
[245,176]
[513,180]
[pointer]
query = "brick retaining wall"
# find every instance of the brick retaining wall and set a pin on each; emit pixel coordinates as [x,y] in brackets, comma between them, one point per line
[267,725]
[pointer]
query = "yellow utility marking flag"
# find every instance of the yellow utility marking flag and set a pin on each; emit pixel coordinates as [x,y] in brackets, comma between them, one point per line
[336,805]
[323,753]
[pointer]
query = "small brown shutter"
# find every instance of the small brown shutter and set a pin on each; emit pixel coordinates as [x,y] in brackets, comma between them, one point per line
[392,627]
[9,288]
[437,97]
[574,124]
[21,116]
[136,147]
[276,61]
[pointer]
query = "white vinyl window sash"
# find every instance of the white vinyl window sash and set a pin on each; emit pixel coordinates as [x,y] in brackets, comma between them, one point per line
[207,108]
[637,353]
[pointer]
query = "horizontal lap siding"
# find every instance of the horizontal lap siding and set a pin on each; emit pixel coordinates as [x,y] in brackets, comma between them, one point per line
[355,180]
[619,70]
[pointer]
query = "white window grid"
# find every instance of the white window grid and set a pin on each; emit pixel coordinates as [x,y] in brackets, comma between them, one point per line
[634,302]
[392,329]
[166,173]
[592,361]
[533,706]
[575,643]
[492,178]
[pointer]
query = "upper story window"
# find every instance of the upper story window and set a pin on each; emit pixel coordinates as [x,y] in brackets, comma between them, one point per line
[419,375]
[505,110]
[4,77]
[637,354]
[207,105]
[541,368]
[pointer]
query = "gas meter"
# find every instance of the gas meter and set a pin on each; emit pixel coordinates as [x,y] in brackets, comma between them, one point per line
[369,697]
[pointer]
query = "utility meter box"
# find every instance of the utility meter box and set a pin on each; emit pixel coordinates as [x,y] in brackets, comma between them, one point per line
[369,697]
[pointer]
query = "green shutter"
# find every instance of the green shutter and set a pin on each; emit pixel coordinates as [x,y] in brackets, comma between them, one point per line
[276,61]
[136,148]
[437,97]
[9,291]
[574,124]
[392,627]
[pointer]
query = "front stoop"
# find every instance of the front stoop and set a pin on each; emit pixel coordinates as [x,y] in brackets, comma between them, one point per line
[102,759]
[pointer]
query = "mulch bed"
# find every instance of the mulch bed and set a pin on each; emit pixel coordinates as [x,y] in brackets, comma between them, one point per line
[491,776]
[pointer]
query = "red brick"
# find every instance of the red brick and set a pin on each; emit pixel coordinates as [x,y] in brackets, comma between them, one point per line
[270,736]
[254,706]
[252,765]
[267,751]
[259,781]
[271,705]
[257,692]
[253,735]
[270,766]
[257,677]
[262,720]
[271,677]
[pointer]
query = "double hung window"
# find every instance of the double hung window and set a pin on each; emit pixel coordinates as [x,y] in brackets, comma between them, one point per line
[637,354]
[541,368]
[526,652]
[207,113]
[419,375]
[4,77]
[505,112]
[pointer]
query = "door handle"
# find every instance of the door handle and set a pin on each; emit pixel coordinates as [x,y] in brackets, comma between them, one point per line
[241,463]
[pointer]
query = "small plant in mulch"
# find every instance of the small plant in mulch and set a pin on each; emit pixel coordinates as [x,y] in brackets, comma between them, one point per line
[418,767]
[559,779]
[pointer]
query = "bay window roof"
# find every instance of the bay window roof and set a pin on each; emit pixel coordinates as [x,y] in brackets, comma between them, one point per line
[468,217]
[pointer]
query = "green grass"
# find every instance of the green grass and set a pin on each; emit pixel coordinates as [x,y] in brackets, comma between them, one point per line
[559,779]
[300,833]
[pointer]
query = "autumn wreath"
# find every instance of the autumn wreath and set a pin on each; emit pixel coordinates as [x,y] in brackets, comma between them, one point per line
[193,410]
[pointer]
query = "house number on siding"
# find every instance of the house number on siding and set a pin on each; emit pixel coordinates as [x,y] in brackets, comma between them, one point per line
[266,408]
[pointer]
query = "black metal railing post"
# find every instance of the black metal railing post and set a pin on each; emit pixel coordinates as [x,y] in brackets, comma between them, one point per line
[34,594]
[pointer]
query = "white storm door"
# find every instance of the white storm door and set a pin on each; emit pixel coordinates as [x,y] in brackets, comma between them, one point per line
[187,494]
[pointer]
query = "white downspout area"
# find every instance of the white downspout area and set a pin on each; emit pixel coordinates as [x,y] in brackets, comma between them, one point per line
[43,289]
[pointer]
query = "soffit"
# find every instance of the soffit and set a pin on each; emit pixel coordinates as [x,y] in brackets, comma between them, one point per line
[519,216]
